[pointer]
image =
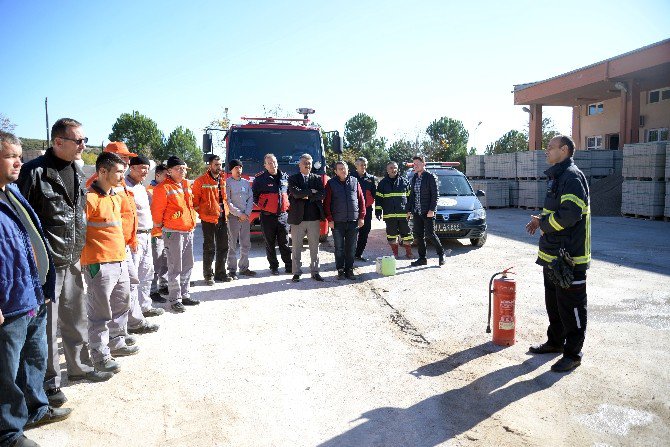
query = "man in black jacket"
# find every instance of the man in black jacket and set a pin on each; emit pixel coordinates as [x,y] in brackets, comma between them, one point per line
[270,195]
[53,184]
[421,206]
[391,202]
[369,188]
[305,194]
[565,223]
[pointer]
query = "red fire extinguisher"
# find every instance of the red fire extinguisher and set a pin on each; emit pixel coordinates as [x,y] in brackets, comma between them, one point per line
[504,300]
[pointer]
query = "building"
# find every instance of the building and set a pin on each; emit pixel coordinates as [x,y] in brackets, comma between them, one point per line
[622,100]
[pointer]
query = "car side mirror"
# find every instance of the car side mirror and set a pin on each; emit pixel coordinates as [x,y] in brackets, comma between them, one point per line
[480,193]
[337,143]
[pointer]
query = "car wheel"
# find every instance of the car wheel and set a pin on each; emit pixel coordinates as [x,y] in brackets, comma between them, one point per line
[478,242]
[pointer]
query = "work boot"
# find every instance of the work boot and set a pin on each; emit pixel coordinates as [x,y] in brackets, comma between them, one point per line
[418,262]
[56,397]
[108,365]
[52,415]
[340,274]
[408,251]
[394,249]
[349,274]
[125,351]
[209,282]
[157,298]
[22,441]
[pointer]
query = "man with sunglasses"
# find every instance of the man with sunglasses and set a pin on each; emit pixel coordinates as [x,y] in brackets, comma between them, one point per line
[53,185]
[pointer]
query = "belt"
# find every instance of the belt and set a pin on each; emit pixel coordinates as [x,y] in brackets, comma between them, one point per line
[143,231]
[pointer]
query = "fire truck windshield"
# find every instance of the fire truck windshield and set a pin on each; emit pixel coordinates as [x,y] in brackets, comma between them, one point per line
[251,145]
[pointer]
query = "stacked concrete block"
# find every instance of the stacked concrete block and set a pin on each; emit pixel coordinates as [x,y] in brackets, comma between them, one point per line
[602,163]
[500,166]
[497,192]
[532,193]
[618,161]
[643,197]
[666,213]
[583,161]
[531,164]
[513,192]
[474,166]
[644,161]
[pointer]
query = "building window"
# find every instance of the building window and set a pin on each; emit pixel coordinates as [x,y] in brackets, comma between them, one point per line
[595,109]
[657,135]
[595,142]
[659,95]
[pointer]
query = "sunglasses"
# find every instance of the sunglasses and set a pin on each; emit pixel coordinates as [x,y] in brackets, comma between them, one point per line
[79,141]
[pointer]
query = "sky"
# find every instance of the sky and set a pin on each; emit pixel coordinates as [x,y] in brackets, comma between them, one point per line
[403,63]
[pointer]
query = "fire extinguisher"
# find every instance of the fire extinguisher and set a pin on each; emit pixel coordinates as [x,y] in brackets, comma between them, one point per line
[504,300]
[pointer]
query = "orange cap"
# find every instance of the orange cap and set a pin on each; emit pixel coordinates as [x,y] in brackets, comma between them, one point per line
[120,148]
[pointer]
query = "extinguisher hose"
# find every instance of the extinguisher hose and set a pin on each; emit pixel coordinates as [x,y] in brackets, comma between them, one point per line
[488,325]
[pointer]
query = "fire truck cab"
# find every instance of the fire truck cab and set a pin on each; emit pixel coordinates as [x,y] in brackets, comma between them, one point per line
[287,139]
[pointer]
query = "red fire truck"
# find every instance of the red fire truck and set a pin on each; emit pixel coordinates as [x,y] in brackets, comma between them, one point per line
[287,139]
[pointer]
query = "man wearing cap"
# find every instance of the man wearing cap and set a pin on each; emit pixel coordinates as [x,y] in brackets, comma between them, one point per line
[240,203]
[209,200]
[159,284]
[141,256]
[53,185]
[172,211]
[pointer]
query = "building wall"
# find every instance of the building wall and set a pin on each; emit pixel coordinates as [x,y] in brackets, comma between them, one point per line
[656,115]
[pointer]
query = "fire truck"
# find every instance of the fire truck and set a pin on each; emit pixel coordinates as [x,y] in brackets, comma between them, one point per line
[287,139]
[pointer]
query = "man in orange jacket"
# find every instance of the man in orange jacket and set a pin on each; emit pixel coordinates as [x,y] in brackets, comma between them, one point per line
[209,200]
[103,261]
[172,211]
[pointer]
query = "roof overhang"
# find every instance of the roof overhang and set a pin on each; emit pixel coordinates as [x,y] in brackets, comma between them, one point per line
[648,66]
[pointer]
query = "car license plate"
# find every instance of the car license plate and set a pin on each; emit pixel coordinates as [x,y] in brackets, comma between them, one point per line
[447,227]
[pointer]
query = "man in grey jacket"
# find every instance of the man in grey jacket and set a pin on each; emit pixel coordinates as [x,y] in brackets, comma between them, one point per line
[240,203]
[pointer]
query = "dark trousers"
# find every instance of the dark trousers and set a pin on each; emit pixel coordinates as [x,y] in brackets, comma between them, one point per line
[364,231]
[344,237]
[215,243]
[23,362]
[424,228]
[275,232]
[567,314]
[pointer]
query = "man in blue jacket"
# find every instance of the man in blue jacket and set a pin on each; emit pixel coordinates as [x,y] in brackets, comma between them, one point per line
[27,282]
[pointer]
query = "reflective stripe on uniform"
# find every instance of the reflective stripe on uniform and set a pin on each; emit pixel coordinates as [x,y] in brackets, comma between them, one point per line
[395,216]
[545,256]
[573,198]
[103,224]
[174,191]
[553,223]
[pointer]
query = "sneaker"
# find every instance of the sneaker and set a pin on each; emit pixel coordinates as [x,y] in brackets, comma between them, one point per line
[52,415]
[224,278]
[92,376]
[56,397]
[418,262]
[340,274]
[232,275]
[157,298]
[545,348]
[108,366]
[125,351]
[317,277]
[274,271]
[146,328]
[349,274]
[361,258]
[209,282]
[130,340]
[153,312]
[22,441]
[248,272]
[178,307]
[164,291]
[192,302]
[296,278]
[565,364]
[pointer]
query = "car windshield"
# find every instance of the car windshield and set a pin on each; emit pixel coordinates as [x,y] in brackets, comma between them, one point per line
[454,185]
[251,145]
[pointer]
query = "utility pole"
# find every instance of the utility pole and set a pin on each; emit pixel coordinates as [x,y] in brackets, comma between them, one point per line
[46,112]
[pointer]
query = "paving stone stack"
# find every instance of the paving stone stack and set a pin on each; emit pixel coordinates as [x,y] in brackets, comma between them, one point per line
[644,186]
[602,163]
[500,166]
[497,193]
[474,166]
[666,213]
[583,161]
[531,165]
[532,193]
[617,157]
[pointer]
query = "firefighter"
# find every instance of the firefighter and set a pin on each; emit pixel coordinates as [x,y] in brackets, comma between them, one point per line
[391,202]
[565,223]
[369,187]
[270,189]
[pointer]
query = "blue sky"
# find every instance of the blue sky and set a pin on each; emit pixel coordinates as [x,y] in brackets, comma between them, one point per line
[403,63]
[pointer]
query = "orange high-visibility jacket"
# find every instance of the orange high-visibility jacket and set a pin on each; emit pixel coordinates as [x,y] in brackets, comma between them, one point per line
[155,231]
[206,197]
[172,206]
[128,210]
[105,241]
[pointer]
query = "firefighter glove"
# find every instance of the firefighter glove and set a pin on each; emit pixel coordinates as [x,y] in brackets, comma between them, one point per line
[561,270]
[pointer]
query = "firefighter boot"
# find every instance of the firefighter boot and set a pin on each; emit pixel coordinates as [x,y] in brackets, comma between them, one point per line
[394,248]
[408,251]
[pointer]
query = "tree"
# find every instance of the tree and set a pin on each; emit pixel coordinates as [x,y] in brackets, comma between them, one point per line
[512,141]
[183,144]
[403,150]
[140,133]
[377,155]
[548,131]
[448,140]
[359,130]
[6,124]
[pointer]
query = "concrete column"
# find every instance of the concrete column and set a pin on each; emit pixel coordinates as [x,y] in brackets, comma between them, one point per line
[535,127]
[633,112]
[622,120]
[576,126]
